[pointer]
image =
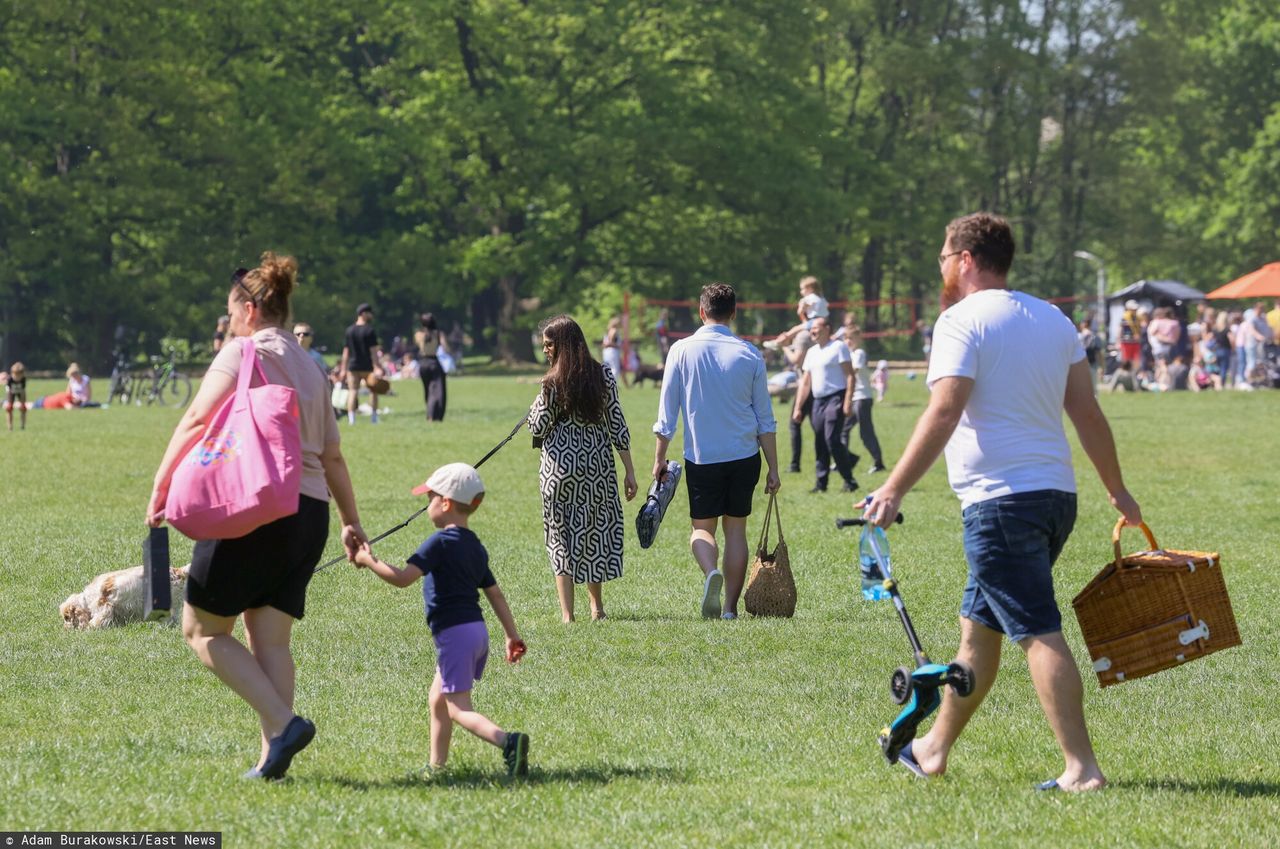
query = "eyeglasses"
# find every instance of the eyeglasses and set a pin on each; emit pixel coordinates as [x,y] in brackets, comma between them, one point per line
[301,333]
[943,257]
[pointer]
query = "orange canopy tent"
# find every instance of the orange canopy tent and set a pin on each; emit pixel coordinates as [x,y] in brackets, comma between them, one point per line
[1263,283]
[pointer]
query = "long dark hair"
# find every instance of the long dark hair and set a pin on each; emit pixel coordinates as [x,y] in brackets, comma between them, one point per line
[576,378]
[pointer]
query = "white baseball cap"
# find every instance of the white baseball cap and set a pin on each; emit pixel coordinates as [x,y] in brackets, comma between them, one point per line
[456,482]
[1131,304]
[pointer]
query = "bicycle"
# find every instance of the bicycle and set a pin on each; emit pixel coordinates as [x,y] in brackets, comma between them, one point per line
[120,380]
[168,385]
[128,385]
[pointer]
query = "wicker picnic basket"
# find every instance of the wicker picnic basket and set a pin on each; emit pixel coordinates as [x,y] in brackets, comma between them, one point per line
[1153,610]
[771,589]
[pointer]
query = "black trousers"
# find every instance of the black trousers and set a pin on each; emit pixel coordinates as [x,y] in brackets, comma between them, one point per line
[828,421]
[433,387]
[866,430]
[797,431]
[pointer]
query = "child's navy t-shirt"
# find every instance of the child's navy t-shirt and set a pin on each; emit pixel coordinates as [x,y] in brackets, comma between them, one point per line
[454,565]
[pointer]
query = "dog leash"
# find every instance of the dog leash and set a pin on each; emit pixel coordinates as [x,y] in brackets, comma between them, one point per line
[405,523]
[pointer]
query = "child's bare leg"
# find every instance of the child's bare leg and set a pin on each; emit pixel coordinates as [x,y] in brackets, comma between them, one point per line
[8,414]
[785,337]
[441,724]
[461,712]
[564,589]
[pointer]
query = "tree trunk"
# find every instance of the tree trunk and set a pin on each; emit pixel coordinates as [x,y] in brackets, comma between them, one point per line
[514,343]
[871,276]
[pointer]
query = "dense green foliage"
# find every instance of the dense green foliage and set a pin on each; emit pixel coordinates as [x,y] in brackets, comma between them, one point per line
[653,728]
[501,159]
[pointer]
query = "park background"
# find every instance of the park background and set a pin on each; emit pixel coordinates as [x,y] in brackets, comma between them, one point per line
[499,161]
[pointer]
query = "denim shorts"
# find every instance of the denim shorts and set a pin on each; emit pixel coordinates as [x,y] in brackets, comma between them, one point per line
[1011,543]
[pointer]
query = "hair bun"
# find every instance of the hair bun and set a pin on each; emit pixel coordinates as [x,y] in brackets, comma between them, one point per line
[279,274]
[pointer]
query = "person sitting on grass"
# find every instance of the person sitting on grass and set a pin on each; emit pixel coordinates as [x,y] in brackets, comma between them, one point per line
[77,394]
[455,564]
[810,306]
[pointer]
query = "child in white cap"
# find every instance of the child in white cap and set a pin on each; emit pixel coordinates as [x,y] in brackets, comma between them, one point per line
[455,564]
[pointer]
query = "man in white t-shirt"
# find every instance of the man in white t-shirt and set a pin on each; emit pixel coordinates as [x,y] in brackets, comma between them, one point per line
[827,379]
[1003,369]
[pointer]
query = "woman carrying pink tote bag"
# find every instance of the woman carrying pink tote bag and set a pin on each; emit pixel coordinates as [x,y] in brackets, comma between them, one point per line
[261,575]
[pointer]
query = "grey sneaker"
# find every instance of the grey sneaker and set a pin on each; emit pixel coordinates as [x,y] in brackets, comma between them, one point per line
[711,595]
[515,753]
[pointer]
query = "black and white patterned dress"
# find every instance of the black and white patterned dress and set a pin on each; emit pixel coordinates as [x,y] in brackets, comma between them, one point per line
[581,510]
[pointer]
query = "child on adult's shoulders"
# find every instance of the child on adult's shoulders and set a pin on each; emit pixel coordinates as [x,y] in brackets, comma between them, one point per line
[810,306]
[455,564]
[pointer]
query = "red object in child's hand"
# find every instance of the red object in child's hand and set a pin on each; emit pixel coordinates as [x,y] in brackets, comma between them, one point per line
[516,651]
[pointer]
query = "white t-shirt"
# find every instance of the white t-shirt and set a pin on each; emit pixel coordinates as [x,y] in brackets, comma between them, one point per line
[815,306]
[823,364]
[1017,349]
[79,388]
[861,383]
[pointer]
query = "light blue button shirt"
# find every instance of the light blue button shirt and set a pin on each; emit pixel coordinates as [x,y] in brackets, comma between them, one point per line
[716,382]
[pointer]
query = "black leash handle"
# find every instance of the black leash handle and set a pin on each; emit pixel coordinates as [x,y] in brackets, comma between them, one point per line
[405,523]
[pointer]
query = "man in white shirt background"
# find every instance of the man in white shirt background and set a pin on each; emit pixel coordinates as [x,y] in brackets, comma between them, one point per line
[715,383]
[827,379]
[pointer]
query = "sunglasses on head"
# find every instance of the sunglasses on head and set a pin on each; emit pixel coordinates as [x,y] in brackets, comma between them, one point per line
[237,278]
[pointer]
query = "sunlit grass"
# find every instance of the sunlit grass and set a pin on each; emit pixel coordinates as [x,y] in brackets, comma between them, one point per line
[653,728]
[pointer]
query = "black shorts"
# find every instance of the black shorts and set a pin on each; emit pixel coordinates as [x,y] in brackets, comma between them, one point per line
[268,567]
[722,489]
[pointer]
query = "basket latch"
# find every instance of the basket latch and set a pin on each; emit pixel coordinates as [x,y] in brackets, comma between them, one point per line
[1189,636]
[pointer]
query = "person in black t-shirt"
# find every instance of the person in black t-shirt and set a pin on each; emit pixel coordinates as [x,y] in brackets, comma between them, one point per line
[15,394]
[360,357]
[454,564]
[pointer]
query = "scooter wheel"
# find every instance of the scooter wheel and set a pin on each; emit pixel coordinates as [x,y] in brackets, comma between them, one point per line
[960,677]
[900,685]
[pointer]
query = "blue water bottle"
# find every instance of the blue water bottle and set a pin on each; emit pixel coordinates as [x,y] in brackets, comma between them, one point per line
[872,541]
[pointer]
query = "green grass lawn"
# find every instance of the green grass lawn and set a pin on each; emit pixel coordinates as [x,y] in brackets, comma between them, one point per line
[653,728]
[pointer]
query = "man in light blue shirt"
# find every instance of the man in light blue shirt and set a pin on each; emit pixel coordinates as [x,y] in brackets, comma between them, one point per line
[716,383]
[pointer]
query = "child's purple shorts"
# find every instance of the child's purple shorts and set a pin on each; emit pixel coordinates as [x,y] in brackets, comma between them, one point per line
[461,653]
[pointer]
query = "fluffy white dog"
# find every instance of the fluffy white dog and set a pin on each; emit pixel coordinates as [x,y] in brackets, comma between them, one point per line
[118,598]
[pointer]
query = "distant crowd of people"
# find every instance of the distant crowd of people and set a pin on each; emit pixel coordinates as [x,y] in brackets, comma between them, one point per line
[1217,349]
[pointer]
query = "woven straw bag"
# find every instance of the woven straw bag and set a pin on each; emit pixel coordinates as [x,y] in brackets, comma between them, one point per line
[771,589]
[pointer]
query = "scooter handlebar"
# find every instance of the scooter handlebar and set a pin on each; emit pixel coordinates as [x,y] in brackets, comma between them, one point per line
[845,523]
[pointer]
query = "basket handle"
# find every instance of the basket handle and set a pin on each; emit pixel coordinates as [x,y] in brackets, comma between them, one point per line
[763,544]
[1115,539]
[777,513]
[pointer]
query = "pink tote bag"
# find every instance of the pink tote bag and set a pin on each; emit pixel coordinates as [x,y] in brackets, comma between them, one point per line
[247,469]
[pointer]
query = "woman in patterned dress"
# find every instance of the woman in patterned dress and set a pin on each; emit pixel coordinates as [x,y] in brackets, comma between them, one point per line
[579,420]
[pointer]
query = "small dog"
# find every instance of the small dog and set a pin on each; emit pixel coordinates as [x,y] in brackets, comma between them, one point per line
[118,598]
[647,372]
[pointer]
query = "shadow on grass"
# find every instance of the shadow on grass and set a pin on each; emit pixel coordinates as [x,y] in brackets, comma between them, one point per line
[1245,789]
[478,778]
[635,616]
